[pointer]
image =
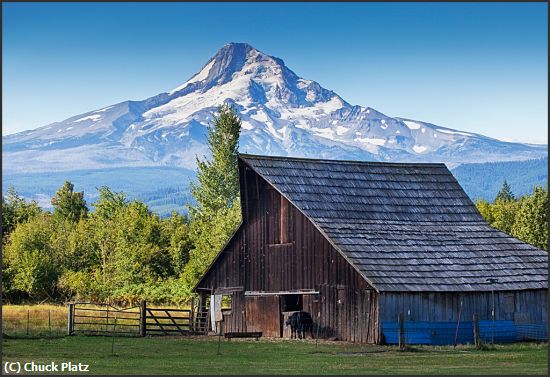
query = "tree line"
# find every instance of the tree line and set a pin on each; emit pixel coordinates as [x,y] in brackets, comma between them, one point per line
[525,218]
[117,250]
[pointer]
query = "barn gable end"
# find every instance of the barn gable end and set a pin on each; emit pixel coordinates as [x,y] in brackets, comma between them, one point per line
[260,256]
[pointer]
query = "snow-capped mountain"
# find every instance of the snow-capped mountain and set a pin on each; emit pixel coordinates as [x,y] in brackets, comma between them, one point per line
[282,114]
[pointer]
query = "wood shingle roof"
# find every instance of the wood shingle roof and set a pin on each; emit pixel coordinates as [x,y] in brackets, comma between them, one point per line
[404,227]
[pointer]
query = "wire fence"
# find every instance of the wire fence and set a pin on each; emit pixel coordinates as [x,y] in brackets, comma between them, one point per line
[466,332]
[34,321]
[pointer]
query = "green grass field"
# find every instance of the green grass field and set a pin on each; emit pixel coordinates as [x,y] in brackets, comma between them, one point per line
[198,355]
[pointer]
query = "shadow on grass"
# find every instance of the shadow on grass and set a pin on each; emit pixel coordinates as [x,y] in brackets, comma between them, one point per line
[33,336]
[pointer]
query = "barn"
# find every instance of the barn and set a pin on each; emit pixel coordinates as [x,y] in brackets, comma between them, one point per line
[356,244]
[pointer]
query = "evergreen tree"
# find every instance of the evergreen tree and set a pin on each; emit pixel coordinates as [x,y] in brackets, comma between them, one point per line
[218,178]
[68,204]
[505,194]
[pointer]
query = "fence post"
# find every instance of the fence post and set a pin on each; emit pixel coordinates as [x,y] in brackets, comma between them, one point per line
[107,318]
[70,320]
[401,331]
[143,318]
[50,322]
[192,316]
[477,339]
[220,329]
[114,335]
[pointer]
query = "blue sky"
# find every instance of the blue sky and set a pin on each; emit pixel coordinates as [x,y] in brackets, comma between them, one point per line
[475,67]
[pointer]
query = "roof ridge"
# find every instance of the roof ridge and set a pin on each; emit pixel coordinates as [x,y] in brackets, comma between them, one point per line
[350,162]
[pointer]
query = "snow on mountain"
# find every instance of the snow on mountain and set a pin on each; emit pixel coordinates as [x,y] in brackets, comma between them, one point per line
[282,114]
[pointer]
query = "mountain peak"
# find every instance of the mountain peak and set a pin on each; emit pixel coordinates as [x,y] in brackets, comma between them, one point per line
[220,68]
[237,47]
[281,112]
[234,51]
[239,67]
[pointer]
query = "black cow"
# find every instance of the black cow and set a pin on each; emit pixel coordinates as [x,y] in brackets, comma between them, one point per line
[299,323]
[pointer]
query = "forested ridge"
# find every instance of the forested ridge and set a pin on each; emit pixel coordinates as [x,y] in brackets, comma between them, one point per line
[483,180]
[117,250]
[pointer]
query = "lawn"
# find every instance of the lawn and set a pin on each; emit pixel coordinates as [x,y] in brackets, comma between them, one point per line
[198,355]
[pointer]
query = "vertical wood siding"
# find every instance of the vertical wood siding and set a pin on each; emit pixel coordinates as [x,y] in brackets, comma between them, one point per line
[527,306]
[278,249]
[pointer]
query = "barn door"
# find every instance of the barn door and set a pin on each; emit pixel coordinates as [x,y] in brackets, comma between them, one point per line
[263,313]
[290,304]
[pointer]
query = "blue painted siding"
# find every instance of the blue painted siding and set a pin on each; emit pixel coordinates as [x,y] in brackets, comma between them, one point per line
[444,333]
[503,331]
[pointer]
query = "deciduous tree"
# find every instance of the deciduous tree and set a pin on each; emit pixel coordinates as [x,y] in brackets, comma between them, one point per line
[531,224]
[16,210]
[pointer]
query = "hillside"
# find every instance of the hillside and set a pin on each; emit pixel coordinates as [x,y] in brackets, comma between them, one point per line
[485,180]
[164,189]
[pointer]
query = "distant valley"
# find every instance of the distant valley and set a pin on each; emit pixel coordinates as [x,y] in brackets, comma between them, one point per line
[166,189]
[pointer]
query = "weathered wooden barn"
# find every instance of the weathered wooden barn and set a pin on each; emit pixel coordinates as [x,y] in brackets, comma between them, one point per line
[357,243]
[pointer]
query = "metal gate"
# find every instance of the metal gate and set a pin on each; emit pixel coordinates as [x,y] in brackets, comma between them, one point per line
[103,319]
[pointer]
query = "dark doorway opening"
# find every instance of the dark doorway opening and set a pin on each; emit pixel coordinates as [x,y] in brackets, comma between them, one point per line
[291,303]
